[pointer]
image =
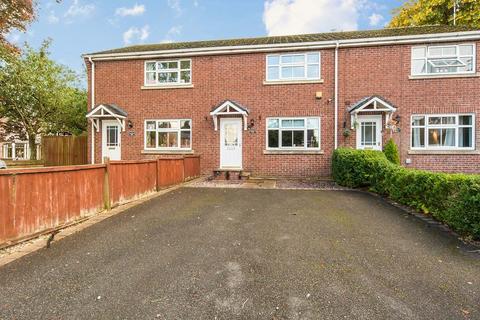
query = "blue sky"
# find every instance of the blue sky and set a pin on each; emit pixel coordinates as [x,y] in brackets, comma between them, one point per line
[83,26]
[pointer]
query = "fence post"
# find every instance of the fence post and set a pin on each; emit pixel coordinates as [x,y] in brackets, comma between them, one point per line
[106,184]
[183,161]
[157,182]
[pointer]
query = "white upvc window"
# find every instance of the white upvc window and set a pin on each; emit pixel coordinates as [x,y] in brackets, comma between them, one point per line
[295,66]
[17,150]
[168,72]
[443,132]
[168,134]
[293,133]
[447,59]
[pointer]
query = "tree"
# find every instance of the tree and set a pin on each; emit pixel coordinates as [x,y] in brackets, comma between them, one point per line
[39,96]
[434,12]
[15,14]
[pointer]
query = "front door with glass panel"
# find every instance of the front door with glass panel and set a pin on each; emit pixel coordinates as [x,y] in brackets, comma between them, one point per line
[111,139]
[369,132]
[231,143]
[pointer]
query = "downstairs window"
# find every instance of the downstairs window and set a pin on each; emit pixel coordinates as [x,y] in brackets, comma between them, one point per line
[443,132]
[168,134]
[293,133]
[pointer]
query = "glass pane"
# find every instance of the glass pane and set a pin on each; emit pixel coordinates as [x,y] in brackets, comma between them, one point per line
[151,125]
[185,64]
[313,72]
[172,77]
[448,137]
[185,139]
[287,72]
[287,140]
[162,139]
[313,123]
[418,137]
[449,51]
[298,72]
[162,65]
[434,51]
[298,138]
[273,73]
[418,52]
[465,120]
[313,140]
[434,120]
[20,151]
[150,139]
[151,66]
[231,134]
[298,59]
[313,58]
[185,124]
[112,136]
[273,123]
[287,123]
[368,133]
[449,120]
[172,139]
[299,123]
[418,121]
[465,137]
[418,66]
[163,77]
[468,62]
[286,59]
[165,124]
[173,65]
[151,77]
[273,138]
[466,50]
[434,137]
[273,60]
[185,77]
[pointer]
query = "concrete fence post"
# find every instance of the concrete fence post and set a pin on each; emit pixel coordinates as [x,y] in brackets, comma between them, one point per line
[106,184]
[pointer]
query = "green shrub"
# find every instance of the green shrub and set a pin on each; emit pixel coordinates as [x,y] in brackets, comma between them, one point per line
[391,152]
[451,198]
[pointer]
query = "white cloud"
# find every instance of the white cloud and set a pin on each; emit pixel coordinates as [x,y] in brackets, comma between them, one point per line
[173,31]
[14,37]
[175,5]
[196,3]
[136,10]
[282,17]
[374,19]
[136,34]
[76,9]
[52,18]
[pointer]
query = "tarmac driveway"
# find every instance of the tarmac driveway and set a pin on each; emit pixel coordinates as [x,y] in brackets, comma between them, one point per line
[248,254]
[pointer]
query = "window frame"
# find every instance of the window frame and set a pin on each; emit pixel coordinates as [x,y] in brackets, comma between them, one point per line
[457,125]
[178,131]
[167,84]
[427,58]
[305,65]
[305,133]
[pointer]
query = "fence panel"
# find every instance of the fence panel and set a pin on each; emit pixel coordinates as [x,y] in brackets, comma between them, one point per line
[64,150]
[131,179]
[35,200]
[192,167]
[170,171]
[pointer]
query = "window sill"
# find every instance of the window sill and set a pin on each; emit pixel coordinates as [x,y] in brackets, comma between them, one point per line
[442,76]
[270,83]
[176,151]
[173,86]
[443,152]
[287,152]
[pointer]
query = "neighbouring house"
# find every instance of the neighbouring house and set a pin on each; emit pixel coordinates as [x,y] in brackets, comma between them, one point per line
[12,148]
[279,106]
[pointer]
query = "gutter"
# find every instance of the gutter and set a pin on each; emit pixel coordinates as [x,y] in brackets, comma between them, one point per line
[431,38]
[92,92]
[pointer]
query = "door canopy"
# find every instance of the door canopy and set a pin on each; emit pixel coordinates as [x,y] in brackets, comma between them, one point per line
[107,111]
[371,104]
[229,108]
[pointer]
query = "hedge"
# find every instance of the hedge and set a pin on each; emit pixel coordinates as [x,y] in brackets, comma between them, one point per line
[451,198]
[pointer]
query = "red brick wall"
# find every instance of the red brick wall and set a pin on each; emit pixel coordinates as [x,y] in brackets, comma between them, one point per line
[363,71]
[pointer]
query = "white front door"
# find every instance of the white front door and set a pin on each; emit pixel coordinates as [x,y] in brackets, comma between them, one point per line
[231,143]
[369,132]
[111,139]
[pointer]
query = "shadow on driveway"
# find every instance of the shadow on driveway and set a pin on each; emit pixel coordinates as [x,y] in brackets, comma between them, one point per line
[248,254]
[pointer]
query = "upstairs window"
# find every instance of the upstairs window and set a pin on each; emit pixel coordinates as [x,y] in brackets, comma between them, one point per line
[168,134]
[442,132]
[291,67]
[164,73]
[293,133]
[449,59]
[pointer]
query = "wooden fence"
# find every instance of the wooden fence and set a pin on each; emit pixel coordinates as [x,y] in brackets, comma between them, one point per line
[64,150]
[39,200]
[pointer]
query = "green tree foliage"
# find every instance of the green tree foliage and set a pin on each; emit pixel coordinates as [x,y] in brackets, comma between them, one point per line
[391,152]
[432,12]
[39,96]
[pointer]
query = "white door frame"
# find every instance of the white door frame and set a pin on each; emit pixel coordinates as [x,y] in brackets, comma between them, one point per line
[370,118]
[223,149]
[106,150]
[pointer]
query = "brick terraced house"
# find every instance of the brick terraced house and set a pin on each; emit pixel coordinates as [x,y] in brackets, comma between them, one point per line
[279,106]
